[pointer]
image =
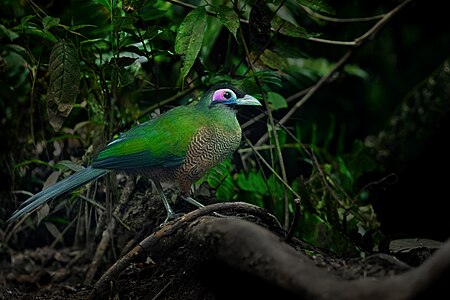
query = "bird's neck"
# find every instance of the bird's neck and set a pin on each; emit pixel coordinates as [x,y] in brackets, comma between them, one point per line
[225,117]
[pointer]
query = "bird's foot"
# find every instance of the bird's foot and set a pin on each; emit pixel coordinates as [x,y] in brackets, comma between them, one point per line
[170,217]
[192,201]
[199,205]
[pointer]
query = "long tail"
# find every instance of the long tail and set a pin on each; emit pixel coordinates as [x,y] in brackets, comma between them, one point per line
[68,184]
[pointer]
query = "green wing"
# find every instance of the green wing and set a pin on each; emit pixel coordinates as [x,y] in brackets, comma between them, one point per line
[160,142]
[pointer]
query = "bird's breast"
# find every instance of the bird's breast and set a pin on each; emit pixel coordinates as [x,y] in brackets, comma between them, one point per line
[207,148]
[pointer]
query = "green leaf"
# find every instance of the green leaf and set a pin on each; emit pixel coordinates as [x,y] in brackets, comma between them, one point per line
[275,186]
[276,191]
[229,18]
[253,182]
[317,231]
[31,28]
[266,79]
[221,179]
[217,174]
[356,71]
[190,38]
[344,170]
[289,29]
[8,33]
[48,22]
[64,69]
[24,21]
[276,101]
[40,33]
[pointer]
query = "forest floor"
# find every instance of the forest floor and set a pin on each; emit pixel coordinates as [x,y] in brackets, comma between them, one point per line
[58,272]
[45,274]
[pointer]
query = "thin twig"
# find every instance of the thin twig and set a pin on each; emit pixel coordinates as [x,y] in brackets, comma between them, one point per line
[162,290]
[37,9]
[369,35]
[264,113]
[271,169]
[340,20]
[310,93]
[274,131]
[331,42]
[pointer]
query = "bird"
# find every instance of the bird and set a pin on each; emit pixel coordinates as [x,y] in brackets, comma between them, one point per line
[177,147]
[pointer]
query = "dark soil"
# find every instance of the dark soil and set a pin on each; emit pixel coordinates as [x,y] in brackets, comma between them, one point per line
[58,272]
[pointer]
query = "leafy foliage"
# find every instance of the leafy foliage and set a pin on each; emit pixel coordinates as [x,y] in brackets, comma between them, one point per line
[96,73]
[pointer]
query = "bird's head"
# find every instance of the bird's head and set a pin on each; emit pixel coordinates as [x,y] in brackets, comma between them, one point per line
[227,95]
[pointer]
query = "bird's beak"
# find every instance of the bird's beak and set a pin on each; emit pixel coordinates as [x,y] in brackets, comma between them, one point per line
[248,100]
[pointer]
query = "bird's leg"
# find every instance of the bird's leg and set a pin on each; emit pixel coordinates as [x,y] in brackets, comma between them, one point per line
[170,213]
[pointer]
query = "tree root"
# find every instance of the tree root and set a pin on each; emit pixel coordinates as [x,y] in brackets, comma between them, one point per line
[255,250]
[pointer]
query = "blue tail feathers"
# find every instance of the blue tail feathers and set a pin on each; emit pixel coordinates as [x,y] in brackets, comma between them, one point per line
[68,184]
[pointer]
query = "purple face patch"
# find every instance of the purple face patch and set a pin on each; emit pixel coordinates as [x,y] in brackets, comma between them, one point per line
[223,95]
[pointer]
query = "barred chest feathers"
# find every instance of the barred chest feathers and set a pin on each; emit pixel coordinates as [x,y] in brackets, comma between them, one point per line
[208,147]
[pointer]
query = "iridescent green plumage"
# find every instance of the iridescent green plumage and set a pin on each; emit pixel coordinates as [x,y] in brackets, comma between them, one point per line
[178,147]
[153,143]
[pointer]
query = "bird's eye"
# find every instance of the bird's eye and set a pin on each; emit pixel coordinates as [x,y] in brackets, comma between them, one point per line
[225,96]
